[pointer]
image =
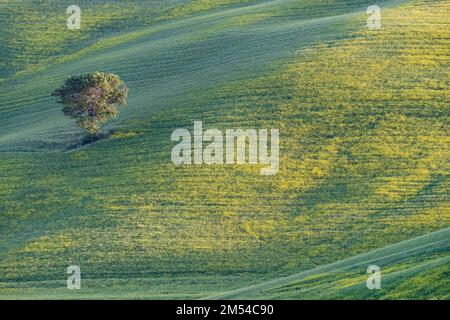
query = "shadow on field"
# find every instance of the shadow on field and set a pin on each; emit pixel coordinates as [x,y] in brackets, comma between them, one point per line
[88,140]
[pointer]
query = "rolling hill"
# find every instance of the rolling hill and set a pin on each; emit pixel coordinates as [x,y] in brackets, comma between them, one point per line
[409,263]
[364,158]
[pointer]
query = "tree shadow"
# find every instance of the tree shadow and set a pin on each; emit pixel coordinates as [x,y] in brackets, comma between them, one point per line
[88,140]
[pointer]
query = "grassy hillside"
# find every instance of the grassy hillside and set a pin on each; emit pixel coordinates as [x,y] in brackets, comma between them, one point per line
[35,30]
[363,117]
[416,267]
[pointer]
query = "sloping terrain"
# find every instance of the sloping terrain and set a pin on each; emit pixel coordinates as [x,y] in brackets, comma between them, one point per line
[363,118]
[422,259]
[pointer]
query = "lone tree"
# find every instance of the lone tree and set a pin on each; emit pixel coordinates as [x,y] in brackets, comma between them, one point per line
[91,99]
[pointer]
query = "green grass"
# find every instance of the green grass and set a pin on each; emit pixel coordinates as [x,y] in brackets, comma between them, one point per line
[35,31]
[364,151]
[402,266]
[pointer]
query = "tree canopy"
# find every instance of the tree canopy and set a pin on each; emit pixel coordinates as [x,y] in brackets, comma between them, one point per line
[91,99]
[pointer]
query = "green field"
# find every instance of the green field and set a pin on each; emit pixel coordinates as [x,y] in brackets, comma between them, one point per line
[364,159]
[408,265]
